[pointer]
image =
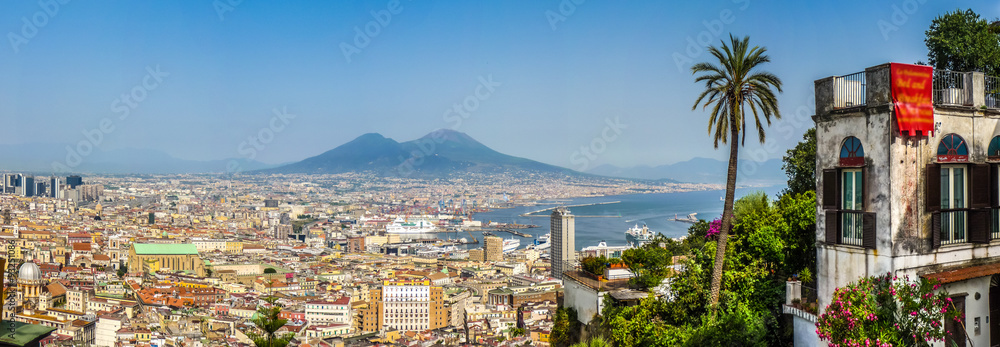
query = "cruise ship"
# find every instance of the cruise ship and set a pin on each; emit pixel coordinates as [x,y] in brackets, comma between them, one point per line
[403,226]
[511,244]
[637,236]
[541,243]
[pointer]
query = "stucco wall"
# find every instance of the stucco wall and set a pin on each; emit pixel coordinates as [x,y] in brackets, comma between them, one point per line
[896,166]
[974,308]
[581,298]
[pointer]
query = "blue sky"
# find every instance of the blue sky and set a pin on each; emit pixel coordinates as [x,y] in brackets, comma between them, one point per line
[559,76]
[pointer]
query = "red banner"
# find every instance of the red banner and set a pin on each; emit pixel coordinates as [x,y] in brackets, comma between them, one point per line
[911,98]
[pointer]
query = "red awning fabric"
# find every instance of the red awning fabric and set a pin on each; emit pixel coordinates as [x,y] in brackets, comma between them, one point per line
[911,98]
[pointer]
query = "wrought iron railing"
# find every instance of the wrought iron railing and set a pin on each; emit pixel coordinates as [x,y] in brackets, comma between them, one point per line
[992,85]
[851,228]
[953,226]
[949,88]
[849,90]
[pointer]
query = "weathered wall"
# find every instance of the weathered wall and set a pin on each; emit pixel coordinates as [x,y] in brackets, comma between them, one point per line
[974,308]
[581,298]
[805,333]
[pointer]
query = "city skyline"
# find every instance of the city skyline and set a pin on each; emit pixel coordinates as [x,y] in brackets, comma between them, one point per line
[198,81]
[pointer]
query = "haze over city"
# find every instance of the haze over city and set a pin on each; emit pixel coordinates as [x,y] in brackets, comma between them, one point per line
[556,76]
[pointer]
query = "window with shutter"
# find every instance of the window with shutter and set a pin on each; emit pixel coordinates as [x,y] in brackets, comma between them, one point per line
[831,197]
[954,203]
[868,233]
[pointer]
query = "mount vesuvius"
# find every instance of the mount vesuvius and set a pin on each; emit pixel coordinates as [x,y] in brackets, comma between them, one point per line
[437,154]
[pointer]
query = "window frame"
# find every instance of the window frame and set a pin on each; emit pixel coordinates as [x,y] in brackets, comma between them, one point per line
[851,228]
[954,225]
[850,159]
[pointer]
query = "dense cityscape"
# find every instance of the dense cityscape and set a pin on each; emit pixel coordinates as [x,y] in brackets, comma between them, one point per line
[143,260]
[485,173]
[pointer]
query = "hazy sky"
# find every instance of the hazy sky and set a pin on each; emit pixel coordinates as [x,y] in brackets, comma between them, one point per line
[537,79]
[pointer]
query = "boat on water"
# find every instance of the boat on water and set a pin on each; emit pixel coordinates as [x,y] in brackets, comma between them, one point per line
[691,218]
[403,226]
[637,236]
[511,244]
[541,243]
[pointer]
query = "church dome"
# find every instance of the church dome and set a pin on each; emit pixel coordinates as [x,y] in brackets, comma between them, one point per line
[29,271]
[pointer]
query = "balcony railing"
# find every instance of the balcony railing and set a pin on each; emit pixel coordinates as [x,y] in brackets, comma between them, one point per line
[851,228]
[953,226]
[849,90]
[992,86]
[949,87]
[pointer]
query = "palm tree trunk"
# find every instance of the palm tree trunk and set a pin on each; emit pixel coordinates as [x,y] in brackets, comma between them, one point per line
[727,212]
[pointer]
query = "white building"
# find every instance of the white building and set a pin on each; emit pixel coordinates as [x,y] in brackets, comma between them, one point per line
[406,306]
[107,329]
[327,312]
[907,202]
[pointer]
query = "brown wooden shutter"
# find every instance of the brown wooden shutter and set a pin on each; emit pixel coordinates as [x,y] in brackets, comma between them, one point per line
[831,189]
[832,230]
[994,184]
[866,195]
[979,190]
[936,229]
[932,186]
[979,226]
[868,230]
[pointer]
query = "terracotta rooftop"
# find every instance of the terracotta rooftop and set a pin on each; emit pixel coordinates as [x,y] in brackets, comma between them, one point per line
[965,273]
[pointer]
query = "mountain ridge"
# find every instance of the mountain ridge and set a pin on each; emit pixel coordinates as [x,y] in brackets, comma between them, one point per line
[437,154]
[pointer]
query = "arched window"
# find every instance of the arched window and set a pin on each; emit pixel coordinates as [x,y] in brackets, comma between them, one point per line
[852,153]
[993,153]
[953,149]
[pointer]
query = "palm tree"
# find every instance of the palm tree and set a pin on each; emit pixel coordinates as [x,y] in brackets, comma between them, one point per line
[268,322]
[732,86]
[594,342]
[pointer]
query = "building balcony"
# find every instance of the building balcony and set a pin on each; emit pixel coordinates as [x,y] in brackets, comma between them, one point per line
[872,87]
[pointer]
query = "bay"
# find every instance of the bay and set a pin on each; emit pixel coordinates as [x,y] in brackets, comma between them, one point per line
[619,213]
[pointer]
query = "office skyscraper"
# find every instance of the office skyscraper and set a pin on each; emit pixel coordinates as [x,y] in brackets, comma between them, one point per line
[55,187]
[29,185]
[73,181]
[563,238]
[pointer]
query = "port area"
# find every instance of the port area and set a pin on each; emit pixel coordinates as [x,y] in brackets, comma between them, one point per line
[492,231]
[533,213]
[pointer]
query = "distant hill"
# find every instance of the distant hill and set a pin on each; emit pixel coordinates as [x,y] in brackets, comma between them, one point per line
[701,170]
[39,159]
[437,154]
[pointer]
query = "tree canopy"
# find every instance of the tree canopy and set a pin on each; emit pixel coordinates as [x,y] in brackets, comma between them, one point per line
[962,41]
[799,164]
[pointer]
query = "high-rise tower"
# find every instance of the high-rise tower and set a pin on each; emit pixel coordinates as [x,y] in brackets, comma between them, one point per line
[563,238]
